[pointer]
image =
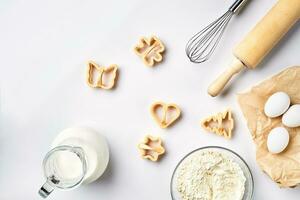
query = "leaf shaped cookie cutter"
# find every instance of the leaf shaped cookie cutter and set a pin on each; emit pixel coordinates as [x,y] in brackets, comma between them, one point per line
[163,121]
[151,148]
[150,50]
[216,124]
[99,83]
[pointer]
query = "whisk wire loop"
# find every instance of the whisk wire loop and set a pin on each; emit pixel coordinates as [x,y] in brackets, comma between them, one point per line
[200,47]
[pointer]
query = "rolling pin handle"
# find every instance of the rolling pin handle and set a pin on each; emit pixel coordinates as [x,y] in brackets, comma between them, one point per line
[217,86]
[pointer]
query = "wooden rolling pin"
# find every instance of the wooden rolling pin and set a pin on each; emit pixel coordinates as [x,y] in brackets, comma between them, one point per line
[259,41]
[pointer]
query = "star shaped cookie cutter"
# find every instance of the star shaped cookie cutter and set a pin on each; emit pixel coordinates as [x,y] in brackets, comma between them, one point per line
[102,71]
[151,148]
[221,123]
[150,50]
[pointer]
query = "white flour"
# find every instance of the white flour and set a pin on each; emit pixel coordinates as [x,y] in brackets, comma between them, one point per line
[210,175]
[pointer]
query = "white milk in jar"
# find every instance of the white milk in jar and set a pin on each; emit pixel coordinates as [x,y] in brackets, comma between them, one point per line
[78,156]
[94,146]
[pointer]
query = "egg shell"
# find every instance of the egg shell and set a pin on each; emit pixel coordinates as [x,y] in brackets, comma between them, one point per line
[292,117]
[277,104]
[278,139]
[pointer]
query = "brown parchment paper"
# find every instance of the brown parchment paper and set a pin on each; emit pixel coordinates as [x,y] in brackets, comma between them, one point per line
[283,168]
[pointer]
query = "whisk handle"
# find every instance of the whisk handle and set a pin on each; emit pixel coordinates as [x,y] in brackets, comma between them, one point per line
[217,86]
[237,5]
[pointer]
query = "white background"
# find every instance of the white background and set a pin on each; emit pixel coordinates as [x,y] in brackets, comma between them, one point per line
[44,46]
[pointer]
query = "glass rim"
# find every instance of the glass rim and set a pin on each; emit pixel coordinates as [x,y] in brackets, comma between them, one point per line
[74,149]
[213,147]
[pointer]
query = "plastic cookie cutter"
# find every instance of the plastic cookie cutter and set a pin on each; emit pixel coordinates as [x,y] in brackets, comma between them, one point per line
[151,148]
[170,113]
[222,123]
[105,77]
[150,50]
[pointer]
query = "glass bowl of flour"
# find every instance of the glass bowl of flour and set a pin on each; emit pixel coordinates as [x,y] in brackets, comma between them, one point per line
[212,173]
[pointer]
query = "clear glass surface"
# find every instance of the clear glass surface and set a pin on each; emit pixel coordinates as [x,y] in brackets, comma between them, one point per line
[64,167]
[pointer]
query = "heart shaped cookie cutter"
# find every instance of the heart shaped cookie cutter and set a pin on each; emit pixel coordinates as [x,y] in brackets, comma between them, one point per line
[151,148]
[102,71]
[164,121]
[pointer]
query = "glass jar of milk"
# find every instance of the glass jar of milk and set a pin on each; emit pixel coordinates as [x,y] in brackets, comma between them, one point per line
[78,156]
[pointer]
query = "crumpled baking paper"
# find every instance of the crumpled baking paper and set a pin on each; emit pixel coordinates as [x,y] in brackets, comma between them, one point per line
[283,168]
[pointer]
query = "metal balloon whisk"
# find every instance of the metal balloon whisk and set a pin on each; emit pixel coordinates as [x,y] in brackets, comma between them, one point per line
[201,46]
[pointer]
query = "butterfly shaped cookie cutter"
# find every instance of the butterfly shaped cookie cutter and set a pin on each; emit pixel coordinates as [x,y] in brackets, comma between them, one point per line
[222,123]
[150,50]
[100,83]
[151,148]
[164,121]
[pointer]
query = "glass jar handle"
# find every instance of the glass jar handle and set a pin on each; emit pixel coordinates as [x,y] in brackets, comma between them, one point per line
[45,190]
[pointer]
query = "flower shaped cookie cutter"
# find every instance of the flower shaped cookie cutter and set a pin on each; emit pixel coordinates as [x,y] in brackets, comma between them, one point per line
[93,68]
[222,124]
[151,148]
[150,50]
[165,120]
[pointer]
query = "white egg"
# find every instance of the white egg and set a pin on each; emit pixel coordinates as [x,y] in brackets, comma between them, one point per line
[277,104]
[292,117]
[278,139]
